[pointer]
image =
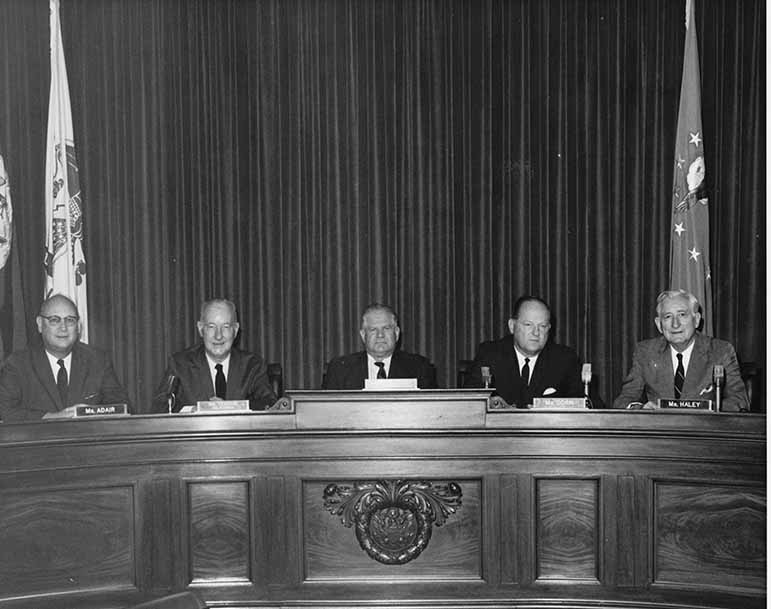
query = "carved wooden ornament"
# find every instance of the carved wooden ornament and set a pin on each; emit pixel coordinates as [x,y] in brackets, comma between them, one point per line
[393,518]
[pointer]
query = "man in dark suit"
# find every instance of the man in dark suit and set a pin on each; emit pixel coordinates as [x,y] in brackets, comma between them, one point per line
[215,369]
[526,365]
[60,373]
[380,359]
[656,361]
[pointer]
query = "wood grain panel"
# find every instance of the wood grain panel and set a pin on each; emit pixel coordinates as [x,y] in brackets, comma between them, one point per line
[332,552]
[566,537]
[710,535]
[220,538]
[65,539]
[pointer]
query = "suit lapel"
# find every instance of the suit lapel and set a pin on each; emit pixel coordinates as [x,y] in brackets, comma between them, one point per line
[233,390]
[698,369]
[665,375]
[77,376]
[203,374]
[43,371]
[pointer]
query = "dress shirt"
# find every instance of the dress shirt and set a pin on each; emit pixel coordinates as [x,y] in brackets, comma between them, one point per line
[213,371]
[521,362]
[686,357]
[372,369]
[54,361]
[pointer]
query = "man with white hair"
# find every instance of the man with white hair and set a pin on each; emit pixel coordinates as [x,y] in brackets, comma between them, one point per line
[215,369]
[680,363]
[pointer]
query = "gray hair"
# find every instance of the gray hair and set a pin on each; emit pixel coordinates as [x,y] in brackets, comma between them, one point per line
[377,306]
[219,301]
[693,302]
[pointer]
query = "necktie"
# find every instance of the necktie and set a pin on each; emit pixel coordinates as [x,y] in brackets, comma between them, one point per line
[679,376]
[526,371]
[220,386]
[61,381]
[381,373]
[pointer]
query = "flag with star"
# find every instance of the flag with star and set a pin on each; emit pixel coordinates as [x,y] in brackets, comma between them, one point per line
[65,263]
[689,246]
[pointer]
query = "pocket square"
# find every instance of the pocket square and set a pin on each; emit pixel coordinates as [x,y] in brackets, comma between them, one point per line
[705,390]
[549,391]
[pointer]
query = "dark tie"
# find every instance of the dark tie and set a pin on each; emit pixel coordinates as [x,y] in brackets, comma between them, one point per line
[525,372]
[220,386]
[679,376]
[61,381]
[381,373]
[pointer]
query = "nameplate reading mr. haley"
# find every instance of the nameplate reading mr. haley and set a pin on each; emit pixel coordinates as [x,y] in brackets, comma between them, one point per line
[685,404]
[100,410]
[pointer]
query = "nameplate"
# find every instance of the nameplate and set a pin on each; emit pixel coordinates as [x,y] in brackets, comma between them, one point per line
[685,404]
[221,406]
[390,384]
[559,403]
[100,410]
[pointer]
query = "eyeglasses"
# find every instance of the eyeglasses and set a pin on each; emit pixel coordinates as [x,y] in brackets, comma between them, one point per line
[56,320]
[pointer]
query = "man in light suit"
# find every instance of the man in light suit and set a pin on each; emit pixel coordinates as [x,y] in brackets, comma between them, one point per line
[526,364]
[655,361]
[60,373]
[379,333]
[215,369]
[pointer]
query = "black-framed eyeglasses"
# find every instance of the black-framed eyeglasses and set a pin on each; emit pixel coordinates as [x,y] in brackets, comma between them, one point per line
[56,320]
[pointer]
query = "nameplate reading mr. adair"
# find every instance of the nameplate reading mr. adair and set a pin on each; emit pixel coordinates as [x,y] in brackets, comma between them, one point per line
[100,410]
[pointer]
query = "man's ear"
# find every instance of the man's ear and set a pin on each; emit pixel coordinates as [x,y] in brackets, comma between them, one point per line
[363,335]
[697,320]
[657,321]
[199,325]
[512,321]
[39,321]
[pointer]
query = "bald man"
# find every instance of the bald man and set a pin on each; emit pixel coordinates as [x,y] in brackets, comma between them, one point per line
[58,374]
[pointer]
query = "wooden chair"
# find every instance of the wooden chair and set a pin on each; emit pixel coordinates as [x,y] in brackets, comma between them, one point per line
[752,375]
[276,378]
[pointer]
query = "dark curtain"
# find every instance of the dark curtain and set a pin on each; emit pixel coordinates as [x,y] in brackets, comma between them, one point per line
[306,157]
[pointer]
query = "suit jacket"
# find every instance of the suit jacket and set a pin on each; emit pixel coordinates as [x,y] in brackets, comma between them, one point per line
[28,387]
[349,371]
[652,376]
[557,372]
[247,380]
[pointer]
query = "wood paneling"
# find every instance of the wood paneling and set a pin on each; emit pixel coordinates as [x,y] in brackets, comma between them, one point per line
[557,509]
[220,539]
[56,540]
[566,517]
[713,536]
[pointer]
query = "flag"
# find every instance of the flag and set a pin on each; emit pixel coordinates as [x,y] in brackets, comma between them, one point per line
[689,246]
[65,264]
[13,317]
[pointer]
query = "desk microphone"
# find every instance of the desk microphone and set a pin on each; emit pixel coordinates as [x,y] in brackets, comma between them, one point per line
[171,392]
[586,378]
[718,374]
[486,377]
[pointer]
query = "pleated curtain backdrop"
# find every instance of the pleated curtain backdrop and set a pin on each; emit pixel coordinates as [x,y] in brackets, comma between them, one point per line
[306,157]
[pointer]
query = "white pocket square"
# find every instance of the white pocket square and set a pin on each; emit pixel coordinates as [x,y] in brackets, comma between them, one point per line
[705,390]
[549,391]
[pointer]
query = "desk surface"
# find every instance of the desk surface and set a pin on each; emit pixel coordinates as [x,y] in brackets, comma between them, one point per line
[379,499]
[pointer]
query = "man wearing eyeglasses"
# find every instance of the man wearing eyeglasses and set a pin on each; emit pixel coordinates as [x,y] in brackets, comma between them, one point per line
[58,374]
[529,365]
[215,369]
[379,333]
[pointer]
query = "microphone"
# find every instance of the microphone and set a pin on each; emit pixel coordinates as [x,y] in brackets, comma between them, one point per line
[171,392]
[586,378]
[718,374]
[486,377]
